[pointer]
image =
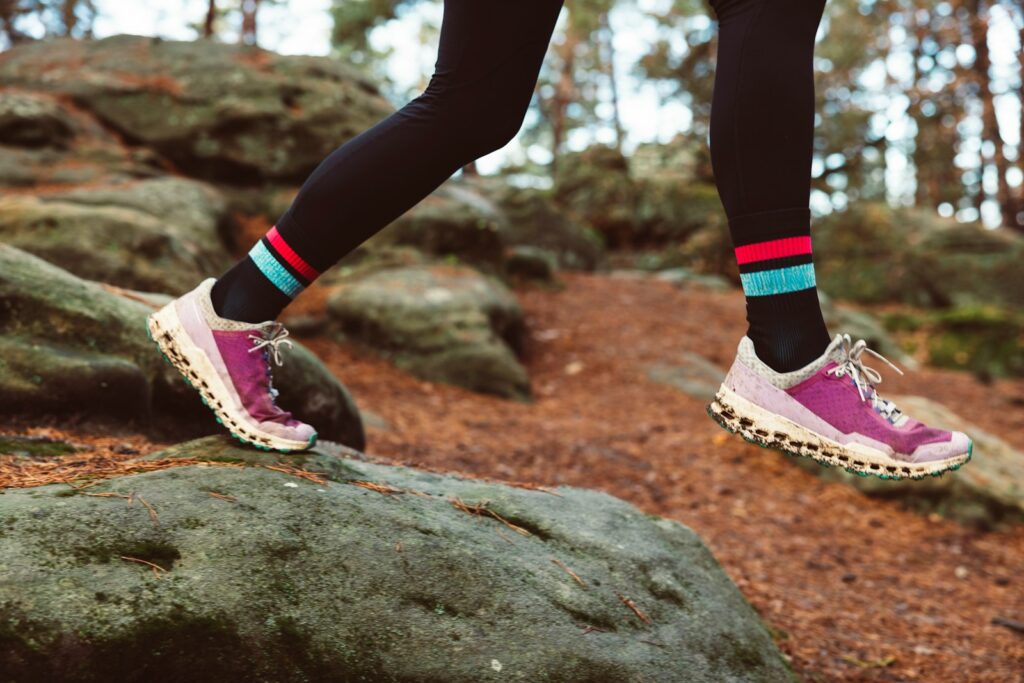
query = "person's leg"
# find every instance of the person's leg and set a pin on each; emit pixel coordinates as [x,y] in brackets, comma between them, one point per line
[762,121]
[790,387]
[222,336]
[490,54]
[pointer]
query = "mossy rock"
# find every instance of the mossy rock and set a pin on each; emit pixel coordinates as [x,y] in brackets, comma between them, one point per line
[443,323]
[159,235]
[874,253]
[533,219]
[638,203]
[32,120]
[69,345]
[46,141]
[218,111]
[454,223]
[265,576]
[984,340]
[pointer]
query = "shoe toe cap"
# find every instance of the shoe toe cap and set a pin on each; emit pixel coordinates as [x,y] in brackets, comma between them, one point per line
[958,444]
[293,431]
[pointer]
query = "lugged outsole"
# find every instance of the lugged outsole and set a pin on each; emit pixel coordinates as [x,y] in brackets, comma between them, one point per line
[731,422]
[171,357]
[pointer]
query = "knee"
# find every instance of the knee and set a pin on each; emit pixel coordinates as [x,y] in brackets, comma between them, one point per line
[492,126]
[474,121]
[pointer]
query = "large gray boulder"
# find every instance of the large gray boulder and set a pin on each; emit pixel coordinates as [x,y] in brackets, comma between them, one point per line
[158,235]
[68,345]
[217,111]
[442,323]
[374,573]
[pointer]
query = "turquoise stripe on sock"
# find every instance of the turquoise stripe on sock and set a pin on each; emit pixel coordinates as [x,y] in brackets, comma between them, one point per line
[778,281]
[274,271]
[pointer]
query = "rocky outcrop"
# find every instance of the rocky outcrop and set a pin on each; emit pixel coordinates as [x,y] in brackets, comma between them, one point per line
[442,323]
[69,345]
[657,200]
[873,253]
[374,572]
[986,491]
[532,219]
[982,339]
[46,141]
[158,235]
[220,112]
[453,222]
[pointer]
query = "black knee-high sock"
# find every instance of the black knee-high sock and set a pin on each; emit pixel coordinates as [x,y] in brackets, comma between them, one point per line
[762,123]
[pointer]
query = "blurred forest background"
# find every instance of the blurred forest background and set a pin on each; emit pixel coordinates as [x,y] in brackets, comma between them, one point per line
[562,310]
[919,101]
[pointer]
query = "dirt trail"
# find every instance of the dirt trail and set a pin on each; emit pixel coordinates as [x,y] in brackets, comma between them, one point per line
[847,582]
[855,589]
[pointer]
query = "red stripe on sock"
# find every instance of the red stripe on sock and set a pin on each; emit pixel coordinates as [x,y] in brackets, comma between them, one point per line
[764,251]
[294,260]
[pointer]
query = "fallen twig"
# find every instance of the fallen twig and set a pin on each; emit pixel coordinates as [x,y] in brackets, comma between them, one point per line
[374,486]
[481,508]
[152,511]
[636,610]
[109,495]
[570,572]
[221,496]
[155,567]
[296,472]
[504,537]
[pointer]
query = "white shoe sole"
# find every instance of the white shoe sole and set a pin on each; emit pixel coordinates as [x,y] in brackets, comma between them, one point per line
[764,428]
[177,347]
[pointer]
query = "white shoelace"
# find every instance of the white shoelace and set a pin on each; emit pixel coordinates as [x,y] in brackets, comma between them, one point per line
[274,334]
[865,377]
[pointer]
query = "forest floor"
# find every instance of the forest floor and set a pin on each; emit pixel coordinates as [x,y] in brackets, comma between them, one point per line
[853,588]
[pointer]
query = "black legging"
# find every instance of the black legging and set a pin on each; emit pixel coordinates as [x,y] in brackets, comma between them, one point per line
[762,137]
[762,110]
[490,54]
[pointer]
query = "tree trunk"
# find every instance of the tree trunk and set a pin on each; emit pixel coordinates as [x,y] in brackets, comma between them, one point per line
[211,16]
[613,84]
[565,92]
[68,17]
[1018,218]
[990,124]
[249,10]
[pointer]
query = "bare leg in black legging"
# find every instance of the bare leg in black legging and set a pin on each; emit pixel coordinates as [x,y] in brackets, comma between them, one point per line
[490,54]
[762,122]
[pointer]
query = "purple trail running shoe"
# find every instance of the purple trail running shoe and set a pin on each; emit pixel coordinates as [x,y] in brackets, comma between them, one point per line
[830,411]
[228,363]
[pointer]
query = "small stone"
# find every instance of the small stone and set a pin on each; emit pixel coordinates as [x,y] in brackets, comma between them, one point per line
[848,578]
[496,665]
[291,485]
[960,572]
